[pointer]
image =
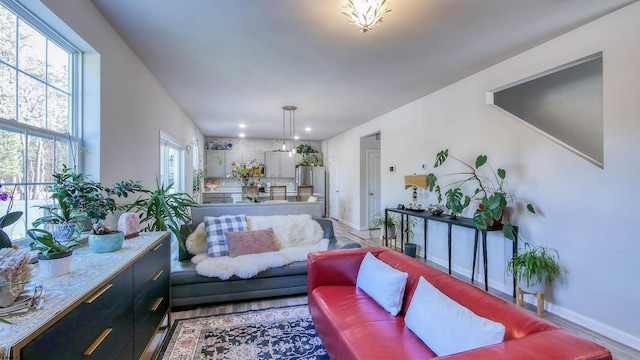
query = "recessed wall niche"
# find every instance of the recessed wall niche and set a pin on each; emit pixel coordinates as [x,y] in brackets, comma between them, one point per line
[564,103]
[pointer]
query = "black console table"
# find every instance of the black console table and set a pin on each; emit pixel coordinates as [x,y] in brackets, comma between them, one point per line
[458,221]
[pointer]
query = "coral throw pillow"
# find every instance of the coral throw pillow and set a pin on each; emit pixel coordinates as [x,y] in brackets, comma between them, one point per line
[251,242]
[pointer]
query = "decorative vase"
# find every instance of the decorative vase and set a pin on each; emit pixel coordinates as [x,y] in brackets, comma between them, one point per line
[62,231]
[245,181]
[535,285]
[106,242]
[56,265]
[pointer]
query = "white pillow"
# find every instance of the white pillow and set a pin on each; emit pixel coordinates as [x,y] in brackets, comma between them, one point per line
[382,282]
[447,327]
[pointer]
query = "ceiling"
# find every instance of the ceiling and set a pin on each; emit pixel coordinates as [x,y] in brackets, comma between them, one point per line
[227,62]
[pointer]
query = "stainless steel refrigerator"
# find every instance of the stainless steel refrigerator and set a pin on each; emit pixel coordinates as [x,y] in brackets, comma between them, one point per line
[317,177]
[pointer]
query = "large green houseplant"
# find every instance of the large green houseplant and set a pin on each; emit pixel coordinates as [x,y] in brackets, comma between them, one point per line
[77,198]
[163,209]
[534,265]
[491,192]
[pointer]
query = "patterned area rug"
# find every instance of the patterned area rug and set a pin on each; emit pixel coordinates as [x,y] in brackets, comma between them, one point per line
[280,333]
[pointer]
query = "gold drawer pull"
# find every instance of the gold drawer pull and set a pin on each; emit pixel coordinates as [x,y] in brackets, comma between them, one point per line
[158,247]
[156,304]
[157,275]
[97,342]
[97,295]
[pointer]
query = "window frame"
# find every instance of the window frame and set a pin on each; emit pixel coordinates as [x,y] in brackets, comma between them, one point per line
[73,135]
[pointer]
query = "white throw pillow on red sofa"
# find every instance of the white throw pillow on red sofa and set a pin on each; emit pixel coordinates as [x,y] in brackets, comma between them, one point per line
[382,282]
[447,327]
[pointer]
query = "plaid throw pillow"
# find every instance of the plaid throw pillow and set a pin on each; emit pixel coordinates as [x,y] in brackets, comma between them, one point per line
[217,244]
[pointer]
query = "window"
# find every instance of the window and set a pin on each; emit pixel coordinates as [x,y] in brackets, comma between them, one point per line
[171,163]
[39,127]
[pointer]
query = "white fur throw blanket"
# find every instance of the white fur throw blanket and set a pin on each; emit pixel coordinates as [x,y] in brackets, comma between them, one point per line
[297,236]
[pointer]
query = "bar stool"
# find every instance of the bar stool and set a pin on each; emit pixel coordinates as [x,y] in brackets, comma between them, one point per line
[304,192]
[249,191]
[278,193]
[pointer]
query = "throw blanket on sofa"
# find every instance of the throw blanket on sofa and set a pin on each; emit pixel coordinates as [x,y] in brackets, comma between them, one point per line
[297,236]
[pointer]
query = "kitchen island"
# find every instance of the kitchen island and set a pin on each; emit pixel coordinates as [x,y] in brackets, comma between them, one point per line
[234,195]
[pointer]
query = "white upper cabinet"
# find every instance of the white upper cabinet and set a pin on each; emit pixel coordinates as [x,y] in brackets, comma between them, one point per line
[253,155]
[279,164]
[231,157]
[215,163]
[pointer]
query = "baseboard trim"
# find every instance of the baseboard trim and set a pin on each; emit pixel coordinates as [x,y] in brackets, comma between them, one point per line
[591,324]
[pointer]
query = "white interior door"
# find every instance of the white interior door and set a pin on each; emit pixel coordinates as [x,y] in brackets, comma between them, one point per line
[373,183]
[334,187]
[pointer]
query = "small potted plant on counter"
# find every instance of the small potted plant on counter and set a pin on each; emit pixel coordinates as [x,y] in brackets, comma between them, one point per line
[54,256]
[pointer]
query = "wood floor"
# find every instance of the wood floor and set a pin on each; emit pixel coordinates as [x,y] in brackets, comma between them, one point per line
[365,238]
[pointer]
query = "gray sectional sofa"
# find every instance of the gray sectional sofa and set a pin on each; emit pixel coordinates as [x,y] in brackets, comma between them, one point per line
[190,289]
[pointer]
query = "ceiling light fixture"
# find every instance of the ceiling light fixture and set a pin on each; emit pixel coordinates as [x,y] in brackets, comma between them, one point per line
[365,14]
[291,110]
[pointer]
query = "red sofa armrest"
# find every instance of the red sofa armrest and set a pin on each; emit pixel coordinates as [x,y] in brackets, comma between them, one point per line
[336,267]
[551,344]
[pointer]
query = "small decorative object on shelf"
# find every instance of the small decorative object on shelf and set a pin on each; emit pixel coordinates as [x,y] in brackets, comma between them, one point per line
[128,223]
[436,209]
[15,272]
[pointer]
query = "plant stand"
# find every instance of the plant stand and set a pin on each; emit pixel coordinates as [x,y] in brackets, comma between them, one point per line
[520,299]
[386,241]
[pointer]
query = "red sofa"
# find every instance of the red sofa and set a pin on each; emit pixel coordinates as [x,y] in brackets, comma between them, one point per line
[353,326]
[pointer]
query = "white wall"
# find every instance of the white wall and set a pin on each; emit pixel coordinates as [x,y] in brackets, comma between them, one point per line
[585,212]
[132,109]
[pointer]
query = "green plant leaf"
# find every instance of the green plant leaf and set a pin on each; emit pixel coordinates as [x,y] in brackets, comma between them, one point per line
[431,181]
[441,157]
[10,218]
[508,232]
[481,160]
[502,173]
[531,209]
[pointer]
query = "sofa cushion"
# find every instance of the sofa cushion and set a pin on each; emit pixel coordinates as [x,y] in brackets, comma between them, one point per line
[447,327]
[251,242]
[382,282]
[196,242]
[216,227]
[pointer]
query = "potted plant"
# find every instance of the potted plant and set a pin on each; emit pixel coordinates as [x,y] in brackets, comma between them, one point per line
[310,156]
[492,192]
[65,219]
[379,221]
[534,268]
[54,256]
[97,204]
[79,198]
[163,209]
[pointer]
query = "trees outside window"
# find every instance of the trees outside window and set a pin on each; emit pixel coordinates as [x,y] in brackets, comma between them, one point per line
[38,123]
